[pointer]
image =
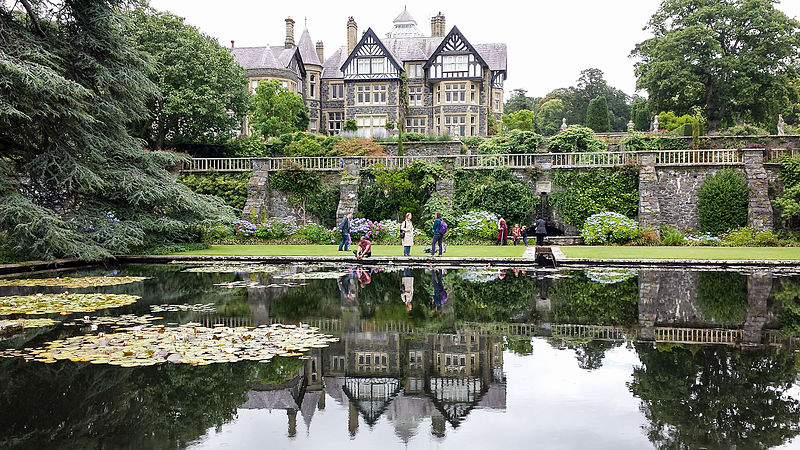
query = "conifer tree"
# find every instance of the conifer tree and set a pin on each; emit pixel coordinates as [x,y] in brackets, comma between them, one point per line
[73,182]
[597,115]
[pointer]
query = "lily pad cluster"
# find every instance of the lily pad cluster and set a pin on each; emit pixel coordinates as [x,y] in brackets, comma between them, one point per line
[197,307]
[124,320]
[232,268]
[64,303]
[314,275]
[186,344]
[71,283]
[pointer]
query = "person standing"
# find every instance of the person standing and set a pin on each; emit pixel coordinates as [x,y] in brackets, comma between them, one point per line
[438,231]
[407,235]
[516,234]
[541,231]
[524,233]
[502,231]
[344,226]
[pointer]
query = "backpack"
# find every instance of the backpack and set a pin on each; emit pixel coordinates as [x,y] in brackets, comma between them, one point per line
[442,227]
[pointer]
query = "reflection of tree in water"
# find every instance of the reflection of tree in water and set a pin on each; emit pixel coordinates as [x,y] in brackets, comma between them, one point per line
[788,293]
[716,397]
[588,353]
[80,405]
[318,298]
[580,300]
[499,300]
[723,297]
[519,345]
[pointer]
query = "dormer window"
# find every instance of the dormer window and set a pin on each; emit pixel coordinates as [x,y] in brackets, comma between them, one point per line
[371,65]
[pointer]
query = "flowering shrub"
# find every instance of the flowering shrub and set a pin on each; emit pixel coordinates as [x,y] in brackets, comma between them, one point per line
[243,228]
[609,228]
[476,225]
[277,228]
[702,239]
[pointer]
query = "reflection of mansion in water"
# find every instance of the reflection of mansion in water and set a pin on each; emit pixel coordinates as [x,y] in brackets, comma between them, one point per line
[407,377]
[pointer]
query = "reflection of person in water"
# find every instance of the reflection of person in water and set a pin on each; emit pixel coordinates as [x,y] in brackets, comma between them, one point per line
[407,287]
[344,286]
[439,296]
[364,278]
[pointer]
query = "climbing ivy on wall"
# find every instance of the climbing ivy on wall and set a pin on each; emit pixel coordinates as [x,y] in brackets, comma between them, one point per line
[230,187]
[308,190]
[498,191]
[389,193]
[595,191]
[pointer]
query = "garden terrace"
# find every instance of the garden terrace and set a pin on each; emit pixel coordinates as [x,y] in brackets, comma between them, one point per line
[513,161]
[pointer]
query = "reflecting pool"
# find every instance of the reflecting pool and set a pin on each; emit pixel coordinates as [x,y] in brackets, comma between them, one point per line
[429,358]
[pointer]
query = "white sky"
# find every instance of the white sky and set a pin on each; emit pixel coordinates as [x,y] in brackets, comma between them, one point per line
[549,42]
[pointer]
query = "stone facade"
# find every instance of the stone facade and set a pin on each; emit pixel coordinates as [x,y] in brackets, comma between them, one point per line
[759,208]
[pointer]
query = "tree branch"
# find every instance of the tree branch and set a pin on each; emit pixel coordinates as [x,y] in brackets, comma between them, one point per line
[32,16]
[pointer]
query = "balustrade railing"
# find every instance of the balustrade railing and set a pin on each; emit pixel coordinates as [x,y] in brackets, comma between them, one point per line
[599,332]
[698,157]
[593,159]
[697,335]
[513,161]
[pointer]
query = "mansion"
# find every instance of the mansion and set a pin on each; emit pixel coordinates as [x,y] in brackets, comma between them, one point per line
[452,84]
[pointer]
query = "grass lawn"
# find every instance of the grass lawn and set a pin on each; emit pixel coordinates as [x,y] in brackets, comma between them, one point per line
[377,250]
[758,253]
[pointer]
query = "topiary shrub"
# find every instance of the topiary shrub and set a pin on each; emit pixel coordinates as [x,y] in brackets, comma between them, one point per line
[597,115]
[609,228]
[413,137]
[575,139]
[722,202]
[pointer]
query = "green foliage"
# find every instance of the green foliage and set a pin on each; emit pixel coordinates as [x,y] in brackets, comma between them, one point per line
[670,121]
[722,201]
[749,237]
[520,120]
[654,141]
[592,192]
[722,296]
[609,228]
[496,300]
[306,144]
[350,125]
[549,115]
[788,293]
[789,200]
[744,129]
[716,396]
[230,187]
[275,110]
[314,234]
[492,127]
[672,236]
[308,190]
[736,60]
[514,141]
[394,192]
[590,85]
[640,114]
[472,142]
[519,101]
[597,115]
[580,300]
[414,137]
[498,191]
[248,147]
[175,248]
[73,181]
[193,106]
[575,139]
[437,204]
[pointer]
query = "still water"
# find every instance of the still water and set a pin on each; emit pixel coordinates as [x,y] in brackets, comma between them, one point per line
[459,358]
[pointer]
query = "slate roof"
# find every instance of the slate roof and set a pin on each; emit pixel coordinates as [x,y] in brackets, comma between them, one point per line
[307,50]
[404,16]
[495,55]
[412,49]
[333,64]
[256,58]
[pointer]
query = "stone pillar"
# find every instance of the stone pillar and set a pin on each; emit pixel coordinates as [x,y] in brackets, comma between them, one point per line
[348,186]
[649,209]
[759,208]
[257,191]
[445,187]
[648,303]
[759,286]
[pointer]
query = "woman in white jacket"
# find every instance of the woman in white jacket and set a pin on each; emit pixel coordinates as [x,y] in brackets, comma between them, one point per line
[408,237]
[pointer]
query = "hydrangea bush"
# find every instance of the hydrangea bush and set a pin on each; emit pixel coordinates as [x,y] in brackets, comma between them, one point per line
[476,225]
[609,228]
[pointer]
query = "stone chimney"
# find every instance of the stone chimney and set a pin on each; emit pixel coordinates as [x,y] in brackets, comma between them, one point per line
[232,42]
[289,33]
[320,52]
[352,33]
[437,25]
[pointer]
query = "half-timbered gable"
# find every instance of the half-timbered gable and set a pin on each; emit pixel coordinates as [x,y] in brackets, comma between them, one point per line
[455,57]
[371,60]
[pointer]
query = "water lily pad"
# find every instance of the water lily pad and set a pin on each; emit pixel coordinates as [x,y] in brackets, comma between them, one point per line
[72,283]
[150,344]
[197,307]
[65,303]
[232,268]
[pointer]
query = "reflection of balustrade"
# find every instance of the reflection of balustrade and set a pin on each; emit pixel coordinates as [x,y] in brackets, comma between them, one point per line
[210,320]
[595,332]
[697,335]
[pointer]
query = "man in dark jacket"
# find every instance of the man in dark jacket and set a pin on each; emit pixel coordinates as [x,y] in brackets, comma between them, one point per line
[344,226]
[541,231]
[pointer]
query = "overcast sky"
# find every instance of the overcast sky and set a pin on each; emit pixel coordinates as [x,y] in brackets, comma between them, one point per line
[549,42]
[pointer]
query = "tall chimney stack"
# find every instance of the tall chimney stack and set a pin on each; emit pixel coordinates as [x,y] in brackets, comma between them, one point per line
[289,33]
[232,43]
[320,51]
[437,25]
[352,33]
